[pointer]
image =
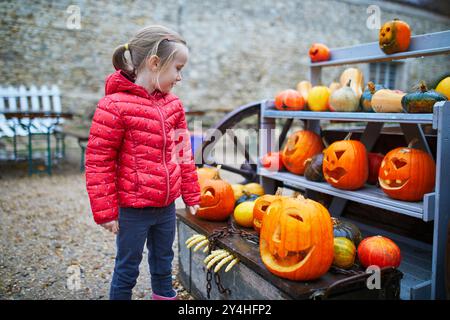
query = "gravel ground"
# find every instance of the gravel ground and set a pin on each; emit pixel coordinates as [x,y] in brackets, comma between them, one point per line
[49,239]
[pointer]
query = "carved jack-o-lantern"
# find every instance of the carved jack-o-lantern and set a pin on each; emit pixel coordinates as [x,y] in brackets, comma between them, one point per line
[261,206]
[395,36]
[296,240]
[345,164]
[300,146]
[216,200]
[407,174]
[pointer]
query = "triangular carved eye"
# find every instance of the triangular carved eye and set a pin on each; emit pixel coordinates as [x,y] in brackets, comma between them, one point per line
[339,154]
[398,163]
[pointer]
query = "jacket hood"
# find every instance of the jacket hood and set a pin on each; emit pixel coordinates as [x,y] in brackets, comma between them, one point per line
[120,82]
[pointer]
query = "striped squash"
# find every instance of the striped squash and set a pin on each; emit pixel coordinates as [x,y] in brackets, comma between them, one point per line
[344,253]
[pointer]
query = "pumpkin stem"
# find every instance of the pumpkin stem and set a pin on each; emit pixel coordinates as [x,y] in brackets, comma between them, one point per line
[371,87]
[279,191]
[299,196]
[217,174]
[295,194]
[307,161]
[348,136]
[413,142]
[334,220]
[349,82]
[423,86]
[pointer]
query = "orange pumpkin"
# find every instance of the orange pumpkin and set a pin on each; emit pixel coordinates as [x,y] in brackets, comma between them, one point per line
[216,199]
[296,240]
[261,206]
[345,164]
[272,161]
[379,251]
[206,173]
[289,100]
[319,52]
[394,36]
[407,174]
[300,146]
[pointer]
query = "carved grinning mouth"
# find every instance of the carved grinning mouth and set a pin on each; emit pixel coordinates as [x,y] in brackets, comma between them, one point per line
[335,175]
[288,258]
[392,184]
[292,257]
[388,44]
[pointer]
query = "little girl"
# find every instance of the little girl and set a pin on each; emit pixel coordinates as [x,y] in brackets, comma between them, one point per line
[139,159]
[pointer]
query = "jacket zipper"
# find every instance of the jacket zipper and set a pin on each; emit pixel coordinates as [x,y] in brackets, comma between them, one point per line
[164,155]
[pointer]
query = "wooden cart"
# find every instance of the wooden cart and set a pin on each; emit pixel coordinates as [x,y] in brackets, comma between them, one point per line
[424,246]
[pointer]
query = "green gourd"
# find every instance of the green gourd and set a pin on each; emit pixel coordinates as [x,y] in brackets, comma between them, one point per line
[421,101]
[366,97]
[346,229]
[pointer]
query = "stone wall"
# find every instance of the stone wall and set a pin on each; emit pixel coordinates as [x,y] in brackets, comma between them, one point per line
[241,51]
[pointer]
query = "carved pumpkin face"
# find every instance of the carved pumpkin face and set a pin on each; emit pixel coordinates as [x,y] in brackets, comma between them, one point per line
[407,174]
[300,146]
[319,52]
[296,240]
[345,164]
[394,36]
[216,200]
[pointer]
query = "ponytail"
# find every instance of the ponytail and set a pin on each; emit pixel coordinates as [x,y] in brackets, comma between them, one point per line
[120,62]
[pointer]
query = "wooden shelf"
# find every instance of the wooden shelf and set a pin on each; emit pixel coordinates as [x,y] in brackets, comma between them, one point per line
[414,118]
[369,195]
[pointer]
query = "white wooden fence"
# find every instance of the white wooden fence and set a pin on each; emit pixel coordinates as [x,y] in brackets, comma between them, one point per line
[20,99]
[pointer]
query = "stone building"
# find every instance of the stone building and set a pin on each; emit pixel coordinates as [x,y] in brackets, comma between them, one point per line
[240,51]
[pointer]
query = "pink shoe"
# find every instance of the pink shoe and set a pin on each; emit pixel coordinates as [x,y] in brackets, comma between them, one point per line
[158,297]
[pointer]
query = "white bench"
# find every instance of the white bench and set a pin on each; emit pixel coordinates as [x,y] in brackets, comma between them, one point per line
[30,112]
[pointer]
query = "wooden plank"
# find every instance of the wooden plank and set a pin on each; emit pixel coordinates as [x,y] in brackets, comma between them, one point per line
[414,118]
[442,205]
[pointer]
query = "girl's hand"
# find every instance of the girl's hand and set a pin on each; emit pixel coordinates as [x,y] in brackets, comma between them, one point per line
[193,209]
[112,226]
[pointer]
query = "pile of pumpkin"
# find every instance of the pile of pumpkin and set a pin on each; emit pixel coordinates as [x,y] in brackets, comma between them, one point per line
[404,173]
[300,241]
[349,95]
[298,238]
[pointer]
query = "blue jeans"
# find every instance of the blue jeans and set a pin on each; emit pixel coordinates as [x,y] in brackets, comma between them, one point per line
[136,226]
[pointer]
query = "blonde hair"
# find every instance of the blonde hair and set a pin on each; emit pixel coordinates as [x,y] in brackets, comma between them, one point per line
[152,40]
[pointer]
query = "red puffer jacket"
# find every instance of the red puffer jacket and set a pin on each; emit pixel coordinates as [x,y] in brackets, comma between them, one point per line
[134,149]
